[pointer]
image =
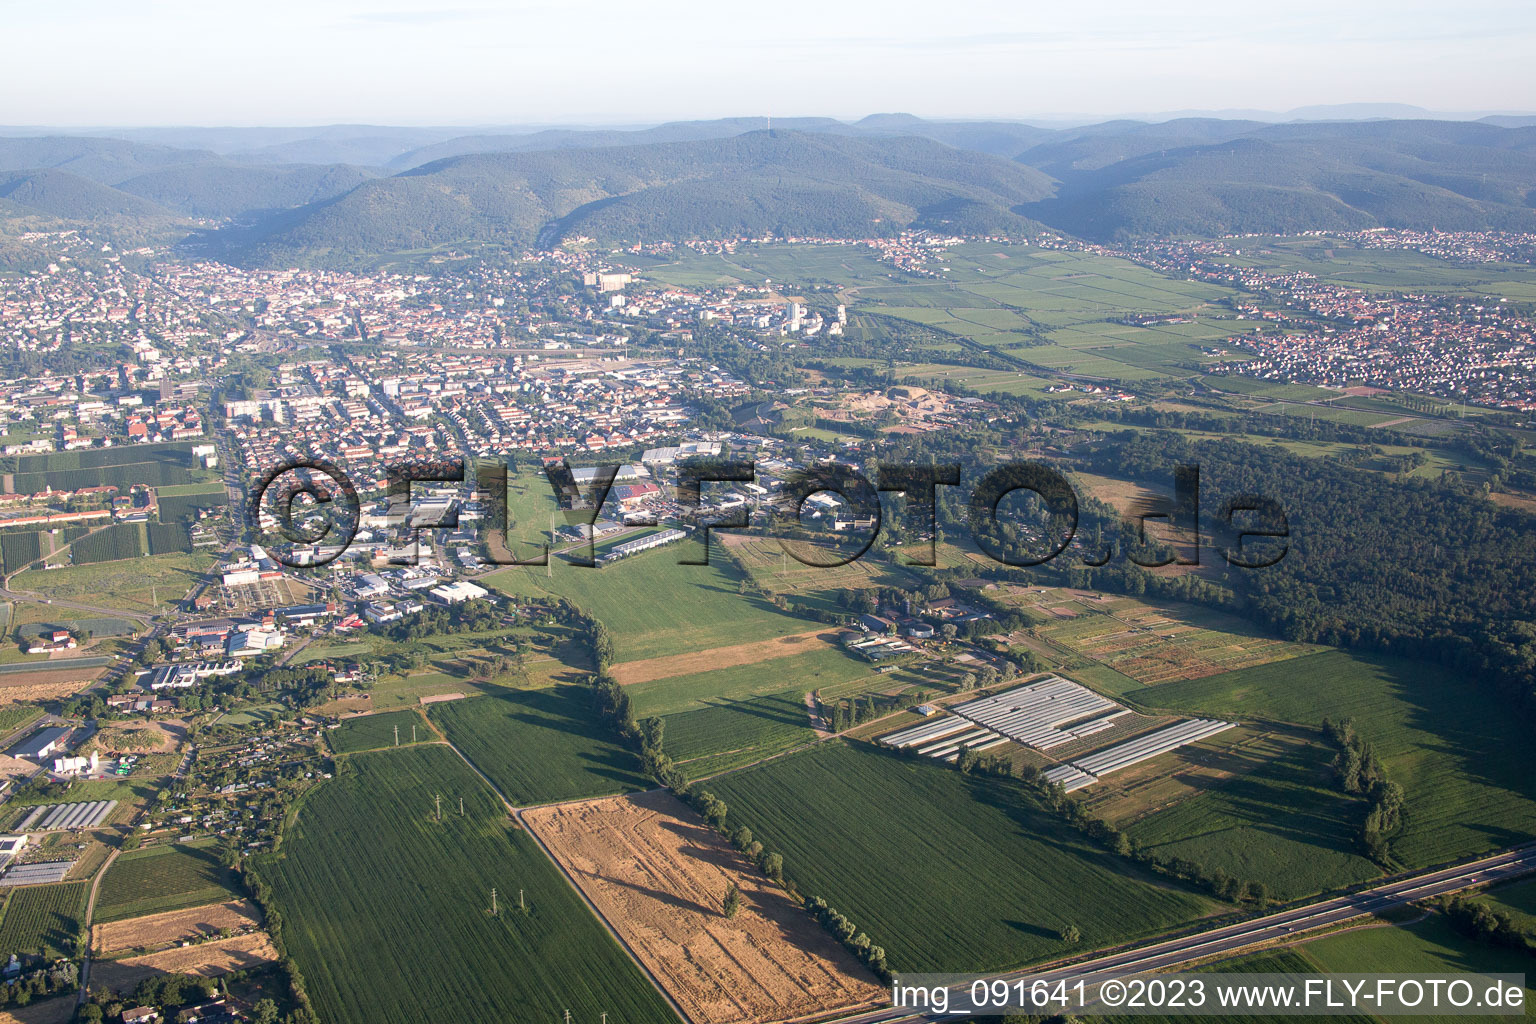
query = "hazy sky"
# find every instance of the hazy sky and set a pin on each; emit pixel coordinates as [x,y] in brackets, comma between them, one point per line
[117,62]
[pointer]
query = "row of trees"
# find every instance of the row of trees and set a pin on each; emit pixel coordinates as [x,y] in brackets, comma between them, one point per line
[1487,924]
[1361,773]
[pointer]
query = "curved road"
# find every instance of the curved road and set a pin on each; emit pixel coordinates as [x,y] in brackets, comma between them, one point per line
[1159,955]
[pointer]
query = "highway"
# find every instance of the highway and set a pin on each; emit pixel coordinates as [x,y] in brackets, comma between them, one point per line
[1156,956]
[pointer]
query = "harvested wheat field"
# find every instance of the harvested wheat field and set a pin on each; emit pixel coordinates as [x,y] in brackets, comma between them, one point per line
[174,926]
[719,657]
[16,687]
[205,960]
[58,1010]
[659,876]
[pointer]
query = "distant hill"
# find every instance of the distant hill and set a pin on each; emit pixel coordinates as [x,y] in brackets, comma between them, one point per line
[69,196]
[1289,177]
[599,138]
[105,161]
[784,182]
[811,175]
[229,190]
[49,199]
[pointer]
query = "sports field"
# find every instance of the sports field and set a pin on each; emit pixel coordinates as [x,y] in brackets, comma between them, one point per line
[397,928]
[946,872]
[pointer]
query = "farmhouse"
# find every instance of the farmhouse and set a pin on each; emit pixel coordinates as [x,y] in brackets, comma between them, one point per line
[54,640]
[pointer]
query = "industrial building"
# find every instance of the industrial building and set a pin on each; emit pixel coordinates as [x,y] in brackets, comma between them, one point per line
[41,744]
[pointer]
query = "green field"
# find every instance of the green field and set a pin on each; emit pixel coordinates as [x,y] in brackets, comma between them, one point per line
[373,731]
[1446,739]
[164,878]
[825,666]
[14,716]
[1518,899]
[1429,946]
[655,607]
[539,746]
[149,584]
[732,732]
[386,910]
[1282,823]
[948,873]
[1058,311]
[42,919]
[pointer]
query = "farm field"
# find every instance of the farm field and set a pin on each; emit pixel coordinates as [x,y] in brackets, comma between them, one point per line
[765,561]
[819,665]
[945,871]
[1444,738]
[131,794]
[538,746]
[655,607]
[163,878]
[1428,946]
[732,732]
[1517,899]
[418,892]
[42,919]
[1269,812]
[373,731]
[53,1010]
[1149,642]
[201,960]
[1386,269]
[742,656]
[659,875]
[172,926]
[1059,311]
[787,265]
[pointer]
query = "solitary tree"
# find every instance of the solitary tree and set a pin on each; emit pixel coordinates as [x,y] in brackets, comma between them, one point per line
[1070,935]
[732,901]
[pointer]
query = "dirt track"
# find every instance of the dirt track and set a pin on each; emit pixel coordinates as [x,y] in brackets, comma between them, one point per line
[719,657]
[659,876]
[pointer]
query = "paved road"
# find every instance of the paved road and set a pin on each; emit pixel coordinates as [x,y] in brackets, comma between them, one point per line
[1231,938]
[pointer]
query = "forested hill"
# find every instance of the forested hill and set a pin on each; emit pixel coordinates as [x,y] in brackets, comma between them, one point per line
[1208,177]
[809,176]
[1412,567]
[782,182]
